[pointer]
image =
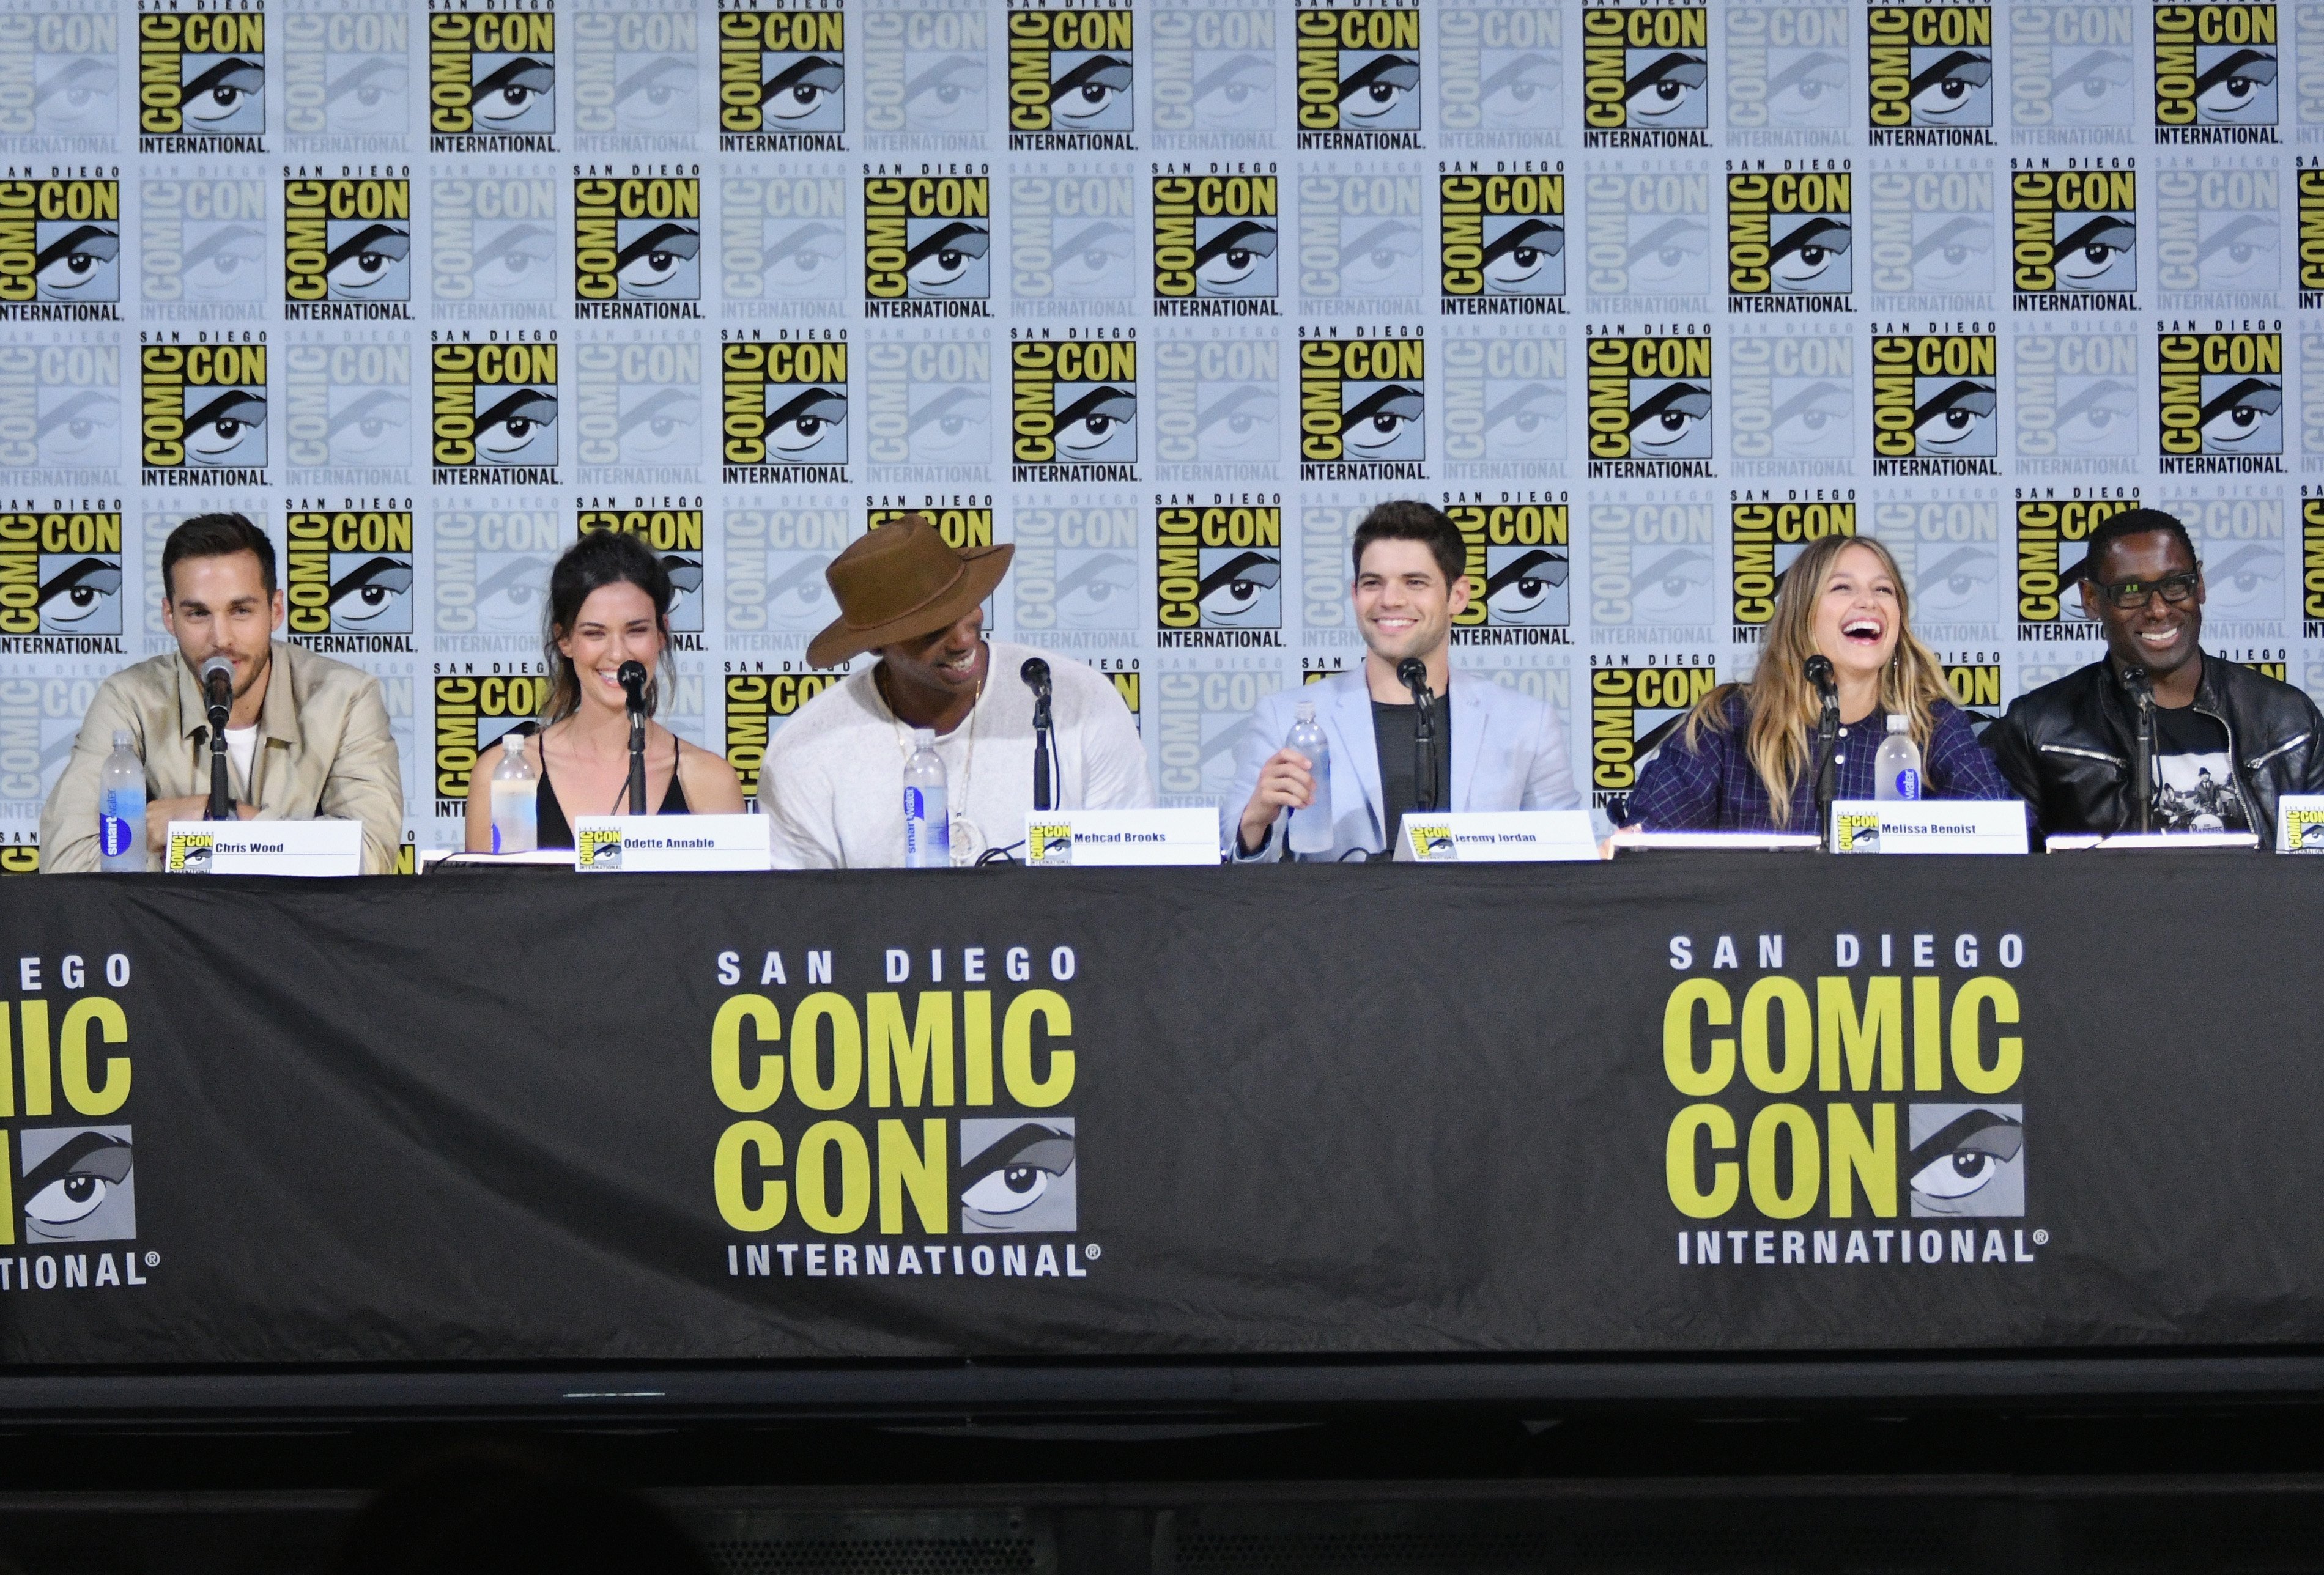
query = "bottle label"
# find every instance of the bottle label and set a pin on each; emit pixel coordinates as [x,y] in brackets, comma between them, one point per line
[1908,783]
[113,835]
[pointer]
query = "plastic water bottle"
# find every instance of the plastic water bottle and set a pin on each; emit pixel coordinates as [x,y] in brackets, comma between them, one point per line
[121,808]
[1311,828]
[516,799]
[1896,768]
[927,821]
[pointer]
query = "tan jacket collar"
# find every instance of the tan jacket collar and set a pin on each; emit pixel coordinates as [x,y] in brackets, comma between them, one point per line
[277,714]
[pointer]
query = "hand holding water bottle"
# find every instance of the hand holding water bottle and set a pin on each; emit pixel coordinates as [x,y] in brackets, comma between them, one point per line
[1296,778]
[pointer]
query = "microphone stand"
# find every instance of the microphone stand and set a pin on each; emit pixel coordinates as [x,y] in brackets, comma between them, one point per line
[1424,733]
[1826,773]
[1045,752]
[2142,689]
[221,804]
[637,759]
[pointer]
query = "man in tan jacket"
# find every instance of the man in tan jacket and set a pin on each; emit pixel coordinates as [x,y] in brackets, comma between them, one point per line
[308,737]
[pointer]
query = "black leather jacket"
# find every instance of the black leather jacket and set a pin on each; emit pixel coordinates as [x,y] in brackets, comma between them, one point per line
[2067,748]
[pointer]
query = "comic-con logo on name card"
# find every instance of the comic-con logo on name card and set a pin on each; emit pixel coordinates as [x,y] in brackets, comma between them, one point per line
[1791,241]
[1517,560]
[473,713]
[1072,76]
[1361,407]
[1073,410]
[756,703]
[60,251]
[675,535]
[928,243]
[1768,539]
[61,575]
[1358,77]
[201,82]
[2053,540]
[203,415]
[347,250]
[1935,404]
[1632,710]
[1645,75]
[1215,239]
[637,247]
[1501,247]
[2074,240]
[2222,402]
[781,76]
[492,81]
[1218,581]
[347,580]
[493,412]
[784,411]
[2215,74]
[1650,403]
[1931,76]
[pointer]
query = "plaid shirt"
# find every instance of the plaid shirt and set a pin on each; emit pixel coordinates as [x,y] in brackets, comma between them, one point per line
[1715,788]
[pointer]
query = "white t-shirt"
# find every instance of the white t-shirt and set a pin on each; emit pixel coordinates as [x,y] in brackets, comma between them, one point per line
[833,783]
[241,747]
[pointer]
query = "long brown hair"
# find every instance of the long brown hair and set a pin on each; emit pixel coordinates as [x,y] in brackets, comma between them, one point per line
[600,558]
[1782,703]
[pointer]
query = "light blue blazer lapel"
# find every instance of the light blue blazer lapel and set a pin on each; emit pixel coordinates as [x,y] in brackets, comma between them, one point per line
[1470,717]
[1349,723]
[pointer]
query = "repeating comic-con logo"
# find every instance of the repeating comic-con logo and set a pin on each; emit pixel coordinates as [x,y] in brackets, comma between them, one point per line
[1074,410]
[78,1184]
[495,413]
[346,249]
[1365,238]
[1648,237]
[639,411]
[60,574]
[67,65]
[785,410]
[1935,404]
[2053,540]
[1072,243]
[1786,73]
[757,706]
[1789,240]
[472,713]
[1072,76]
[928,408]
[492,81]
[490,574]
[781,76]
[927,243]
[68,399]
[2074,240]
[1503,401]
[927,68]
[2221,406]
[1792,402]
[675,535]
[2233,217]
[960,527]
[347,412]
[2309,187]
[1075,575]
[1977,690]
[1218,407]
[1201,719]
[1632,711]
[1519,567]
[784,246]
[1502,245]
[1218,578]
[492,242]
[1019,1177]
[637,247]
[347,572]
[1359,73]
[20,852]
[2077,398]
[61,251]
[637,76]
[774,589]
[1645,75]
[2073,69]
[1362,404]
[2239,542]
[1654,573]
[1650,405]
[2215,71]
[202,243]
[1932,75]
[201,82]
[1213,74]
[2311,569]
[204,414]
[1214,245]
[1500,74]
[346,78]
[1768,539]
[1932,235]
[1966,1162]
[1950,551]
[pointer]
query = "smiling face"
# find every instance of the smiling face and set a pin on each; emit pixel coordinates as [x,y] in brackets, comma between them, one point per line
[1858,614]
[950,662]
[1403,607]
[2159,637]
[220,606]
[615,624]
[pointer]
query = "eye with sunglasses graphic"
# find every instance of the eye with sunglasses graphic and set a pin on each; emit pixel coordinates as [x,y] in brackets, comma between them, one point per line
[226,96]
[1239,260]
[804,91]
[2238,88]
[1525,258]
[517,429]
[2244,418]
[1385,424]
[1954,89]
[371,264]
[1092,95]
[660,263]
[1382,93]
[1665,87]
[949,260]
[1958,418]
[80,264]
[227,429]
[515,95]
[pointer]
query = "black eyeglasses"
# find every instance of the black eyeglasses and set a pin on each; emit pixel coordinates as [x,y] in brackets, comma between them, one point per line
[2130,595]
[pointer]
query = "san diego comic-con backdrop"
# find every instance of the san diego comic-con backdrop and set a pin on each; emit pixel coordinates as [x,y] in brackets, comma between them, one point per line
[1166,293]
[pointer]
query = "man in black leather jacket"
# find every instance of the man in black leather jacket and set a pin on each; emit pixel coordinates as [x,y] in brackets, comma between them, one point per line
[2226,742]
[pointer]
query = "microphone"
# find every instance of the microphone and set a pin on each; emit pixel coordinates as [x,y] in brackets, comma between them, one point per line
[1036,674]
[1819,672]
[1817,669]
[2140,684]
[633,680]
[632,674]
[217,698]
[1414,672]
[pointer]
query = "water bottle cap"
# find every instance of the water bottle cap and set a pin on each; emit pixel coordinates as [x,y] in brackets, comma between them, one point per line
[512,745]
[1899,724]
[923,738]
[1306,711]
[123,738]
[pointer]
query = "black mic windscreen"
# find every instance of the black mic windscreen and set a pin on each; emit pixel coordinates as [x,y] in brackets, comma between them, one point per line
[1819,671]
[1414,672]
[632,674]
[1035,672]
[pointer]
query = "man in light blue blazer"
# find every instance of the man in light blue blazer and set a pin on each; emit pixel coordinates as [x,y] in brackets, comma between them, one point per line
[1495,749]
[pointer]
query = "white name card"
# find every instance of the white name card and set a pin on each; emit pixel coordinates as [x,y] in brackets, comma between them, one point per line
[2300,823]
[1928,826]
[265,847]
[1629,839]
[1513,836]
[2148,842]
[1101,839]
[667,844]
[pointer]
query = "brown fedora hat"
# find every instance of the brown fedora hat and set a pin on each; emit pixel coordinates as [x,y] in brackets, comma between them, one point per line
[901,580]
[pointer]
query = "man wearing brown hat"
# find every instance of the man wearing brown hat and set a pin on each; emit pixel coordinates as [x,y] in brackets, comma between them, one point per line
[833,784]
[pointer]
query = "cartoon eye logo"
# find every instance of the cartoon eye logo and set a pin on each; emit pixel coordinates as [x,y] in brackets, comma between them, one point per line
[370,592]
[1675,413]
[79,593]
[1517,253]
[2242,415]
[78,97]
[76,258]
[1670,252]
[1376,257]
[1948,585]
[1234,255]
[2239,581]
[806,421]
[954,418]
[506,429]
[1095,418]
[944,257]
[1087,597]
[1950,85]
[2244,245]
[1665,86]
[355,95]
[1515,422]
[73,1183]
[1955,415]
[1240,418]
[1237,585]
[1381,419]
[1089,90]
[367,257]
[1952,251]
[2088,254]
[509,597]
[221,92]
[1518,89]
[507,263]
[797,255]
[1808,253]
[1522,586]
[950,90]
[652,426]
[217,428]
[1814,415]
[512,90]
[1241,88]
[801,89]
[2235,83]
[1017,1172]
[1379,87]
[653,259]
[1965,1154]
[1800,91]
[2086,85]
[1087,258]
[2092,416]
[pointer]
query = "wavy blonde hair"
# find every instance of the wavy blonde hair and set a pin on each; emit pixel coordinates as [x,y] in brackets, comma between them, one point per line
[1783,705]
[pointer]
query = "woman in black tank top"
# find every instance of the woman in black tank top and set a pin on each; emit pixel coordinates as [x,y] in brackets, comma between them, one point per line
[609,601]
